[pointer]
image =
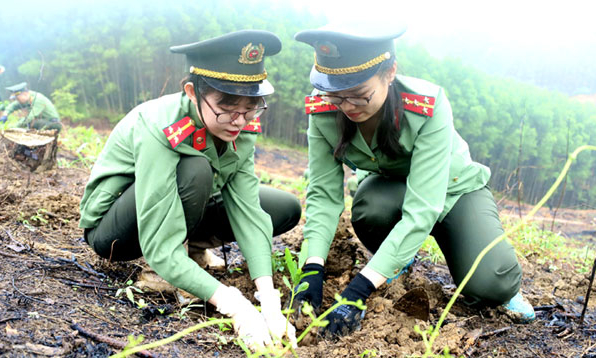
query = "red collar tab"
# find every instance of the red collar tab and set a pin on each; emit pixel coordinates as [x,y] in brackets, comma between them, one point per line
[179,131]
[423,105]
[315,104]
[253,126]
[199,139]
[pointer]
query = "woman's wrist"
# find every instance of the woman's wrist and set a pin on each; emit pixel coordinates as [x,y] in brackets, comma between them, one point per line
[315,260]
[264,283]
[376,278]
[217,295]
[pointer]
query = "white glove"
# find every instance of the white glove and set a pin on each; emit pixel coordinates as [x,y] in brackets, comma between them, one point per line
[276,321]
[249,324]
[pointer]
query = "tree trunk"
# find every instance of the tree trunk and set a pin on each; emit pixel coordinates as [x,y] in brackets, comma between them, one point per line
[32,149]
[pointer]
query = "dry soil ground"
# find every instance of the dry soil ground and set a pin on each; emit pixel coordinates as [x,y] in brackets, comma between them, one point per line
[50,280]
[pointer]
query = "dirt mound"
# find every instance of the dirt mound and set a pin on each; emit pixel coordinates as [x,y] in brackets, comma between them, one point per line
[50,280]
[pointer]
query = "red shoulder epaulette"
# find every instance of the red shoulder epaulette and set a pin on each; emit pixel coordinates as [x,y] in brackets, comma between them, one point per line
[179,131]
[423,105]
[253,126]
[315,104]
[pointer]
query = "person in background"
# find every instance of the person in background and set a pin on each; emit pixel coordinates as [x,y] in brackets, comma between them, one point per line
[2,70]
[40,111]
[421,178]
[180,168]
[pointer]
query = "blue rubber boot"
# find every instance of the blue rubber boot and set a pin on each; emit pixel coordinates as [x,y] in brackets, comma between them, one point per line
[519,309]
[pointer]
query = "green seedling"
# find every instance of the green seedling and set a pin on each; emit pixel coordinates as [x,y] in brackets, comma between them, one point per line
[137,348]
[435,255]
[25,222]
[183,313]
[223,326]
[235,269]
[265,178]
[134,341]
[278,262]
[296,274]
[128,290]
[39,216]
[368,353]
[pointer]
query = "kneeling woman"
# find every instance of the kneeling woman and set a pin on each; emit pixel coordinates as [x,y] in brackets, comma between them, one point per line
[421,178]
[181,168]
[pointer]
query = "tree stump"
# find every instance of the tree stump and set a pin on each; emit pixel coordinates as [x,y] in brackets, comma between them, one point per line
[32,149]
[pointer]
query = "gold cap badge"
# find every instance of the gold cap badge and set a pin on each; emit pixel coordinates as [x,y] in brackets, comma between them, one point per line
[252,54]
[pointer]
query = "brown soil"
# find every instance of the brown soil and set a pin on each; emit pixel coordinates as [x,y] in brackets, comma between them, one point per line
[50,280]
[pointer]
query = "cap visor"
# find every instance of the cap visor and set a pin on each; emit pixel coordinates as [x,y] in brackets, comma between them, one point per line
[249,89]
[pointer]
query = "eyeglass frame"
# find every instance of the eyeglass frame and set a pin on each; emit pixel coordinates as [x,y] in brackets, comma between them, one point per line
[263,108]
[347,99]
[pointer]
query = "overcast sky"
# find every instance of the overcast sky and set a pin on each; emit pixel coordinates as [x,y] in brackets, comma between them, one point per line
[538,22]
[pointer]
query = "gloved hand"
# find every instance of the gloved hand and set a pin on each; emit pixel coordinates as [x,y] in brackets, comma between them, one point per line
[249,324]
[276,321]
[3,119]
[345,318]
[314,293]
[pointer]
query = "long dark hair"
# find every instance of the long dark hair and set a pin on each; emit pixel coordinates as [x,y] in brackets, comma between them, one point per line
[388,132]
[203,88]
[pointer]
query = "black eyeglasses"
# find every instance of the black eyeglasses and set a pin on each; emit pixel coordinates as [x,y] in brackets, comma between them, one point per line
[228,117]
[356,101]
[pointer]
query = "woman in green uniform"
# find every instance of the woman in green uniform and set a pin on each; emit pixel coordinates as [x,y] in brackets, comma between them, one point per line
[181,168]
[421,178]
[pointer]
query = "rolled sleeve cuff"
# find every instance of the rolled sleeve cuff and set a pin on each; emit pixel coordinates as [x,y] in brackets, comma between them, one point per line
[259,266]
[318,250]
[384,264]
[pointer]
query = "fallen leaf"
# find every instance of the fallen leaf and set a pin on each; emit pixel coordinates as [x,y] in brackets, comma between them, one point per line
[11,332]
[16,248]
[44,350]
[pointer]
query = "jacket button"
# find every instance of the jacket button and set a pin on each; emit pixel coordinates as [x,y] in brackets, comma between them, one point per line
[455,179]
[373,159]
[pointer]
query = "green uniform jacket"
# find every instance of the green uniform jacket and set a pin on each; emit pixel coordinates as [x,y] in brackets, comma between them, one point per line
[138,150]
[39,107]
[437,167]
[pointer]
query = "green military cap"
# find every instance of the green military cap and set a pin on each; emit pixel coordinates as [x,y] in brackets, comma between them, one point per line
[233,63]
[16,90]
[348,54]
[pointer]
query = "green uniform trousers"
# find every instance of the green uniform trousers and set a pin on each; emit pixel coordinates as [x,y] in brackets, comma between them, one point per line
[467,229]
[207,224]
[40,124]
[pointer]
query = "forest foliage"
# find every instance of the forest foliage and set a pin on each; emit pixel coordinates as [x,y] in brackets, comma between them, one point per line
[100,61]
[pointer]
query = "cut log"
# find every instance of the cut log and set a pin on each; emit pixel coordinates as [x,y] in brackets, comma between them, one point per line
[34,150]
